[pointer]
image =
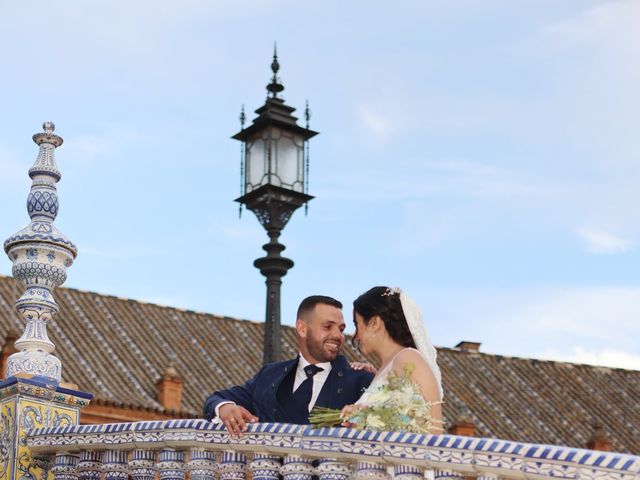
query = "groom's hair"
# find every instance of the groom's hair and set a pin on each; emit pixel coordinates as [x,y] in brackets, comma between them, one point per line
[309,303]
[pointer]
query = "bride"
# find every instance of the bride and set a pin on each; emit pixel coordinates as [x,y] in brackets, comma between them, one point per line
[389,326]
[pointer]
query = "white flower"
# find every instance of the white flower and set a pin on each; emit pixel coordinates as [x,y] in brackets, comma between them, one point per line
[378,397]
[374,421]
[406,395]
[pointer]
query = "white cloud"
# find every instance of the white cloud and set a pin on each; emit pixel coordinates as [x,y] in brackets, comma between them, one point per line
[551,322]
[609,24]
[239,231]
[375,121]
[110,25]
[606,358]
[420,178]
[110,143]
[116,252]
[419,230]
[604,243]
[602,314]
[592,56]
[83,148]
[108,253]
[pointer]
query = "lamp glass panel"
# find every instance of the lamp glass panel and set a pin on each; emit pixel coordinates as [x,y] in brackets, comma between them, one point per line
[289,165]
[256,164]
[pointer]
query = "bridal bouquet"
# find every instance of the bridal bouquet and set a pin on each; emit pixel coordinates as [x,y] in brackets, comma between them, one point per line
[394,406]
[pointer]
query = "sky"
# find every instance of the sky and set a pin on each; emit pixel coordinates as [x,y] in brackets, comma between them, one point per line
[484,156]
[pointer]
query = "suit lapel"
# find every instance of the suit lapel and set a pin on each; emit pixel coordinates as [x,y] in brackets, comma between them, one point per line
[287,372]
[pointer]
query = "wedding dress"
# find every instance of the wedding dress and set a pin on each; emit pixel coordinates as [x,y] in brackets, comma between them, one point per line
[425,349]
[381,378]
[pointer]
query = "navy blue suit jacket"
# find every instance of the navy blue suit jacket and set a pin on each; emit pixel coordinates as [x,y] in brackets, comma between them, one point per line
[260,394]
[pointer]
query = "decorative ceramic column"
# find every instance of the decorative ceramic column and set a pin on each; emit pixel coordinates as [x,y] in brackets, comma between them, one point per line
[371,471]
[31,396]
[90,465]
[407,472]
[448,475]
[333,469]
[114,465]
[40,256]
[143,465]
[171,464]
[295,467]
[65,467]
[202,464]
[265,467]
[233,465]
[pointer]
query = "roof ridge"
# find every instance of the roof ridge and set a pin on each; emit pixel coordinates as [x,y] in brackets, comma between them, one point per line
[155,304]
[535,359]
[238,319]
[99,400]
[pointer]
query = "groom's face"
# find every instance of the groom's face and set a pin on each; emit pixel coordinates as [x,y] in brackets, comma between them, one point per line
[321,333]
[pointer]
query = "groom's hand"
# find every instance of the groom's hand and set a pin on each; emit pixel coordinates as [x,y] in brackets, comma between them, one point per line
[367,367]
[235,418]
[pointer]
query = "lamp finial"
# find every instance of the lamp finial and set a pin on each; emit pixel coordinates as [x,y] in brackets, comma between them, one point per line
[275,66]
[275,86]
[307,113]
[243,117]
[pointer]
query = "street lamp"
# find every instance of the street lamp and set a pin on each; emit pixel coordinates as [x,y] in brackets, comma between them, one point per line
[274,171]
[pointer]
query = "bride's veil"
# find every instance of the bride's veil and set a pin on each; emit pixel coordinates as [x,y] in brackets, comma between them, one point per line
[419,333]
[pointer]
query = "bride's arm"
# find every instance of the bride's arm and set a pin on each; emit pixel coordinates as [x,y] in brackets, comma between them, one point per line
[422,376]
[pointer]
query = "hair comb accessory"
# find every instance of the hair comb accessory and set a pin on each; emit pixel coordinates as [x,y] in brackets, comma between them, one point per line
[391,291]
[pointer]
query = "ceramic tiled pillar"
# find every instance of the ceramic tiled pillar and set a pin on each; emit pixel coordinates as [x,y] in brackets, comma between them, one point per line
[31,396]
[32,403]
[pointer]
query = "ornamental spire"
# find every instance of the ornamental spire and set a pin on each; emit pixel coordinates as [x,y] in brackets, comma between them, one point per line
[41,255]
[275,86]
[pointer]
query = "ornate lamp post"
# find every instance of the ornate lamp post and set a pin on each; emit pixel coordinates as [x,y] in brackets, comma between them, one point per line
[274,170]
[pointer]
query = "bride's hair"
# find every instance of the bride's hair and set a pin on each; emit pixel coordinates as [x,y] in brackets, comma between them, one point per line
[384,303]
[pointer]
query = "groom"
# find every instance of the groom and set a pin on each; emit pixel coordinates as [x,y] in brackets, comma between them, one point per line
[287,391]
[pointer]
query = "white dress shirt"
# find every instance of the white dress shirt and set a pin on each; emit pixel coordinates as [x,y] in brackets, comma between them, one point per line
[318,379]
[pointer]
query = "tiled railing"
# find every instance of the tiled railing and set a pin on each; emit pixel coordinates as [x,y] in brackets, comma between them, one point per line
[204,450]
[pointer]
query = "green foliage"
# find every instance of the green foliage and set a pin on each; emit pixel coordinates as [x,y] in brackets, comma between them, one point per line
[396,405]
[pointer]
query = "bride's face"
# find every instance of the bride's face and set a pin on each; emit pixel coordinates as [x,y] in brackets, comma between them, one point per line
[363,334]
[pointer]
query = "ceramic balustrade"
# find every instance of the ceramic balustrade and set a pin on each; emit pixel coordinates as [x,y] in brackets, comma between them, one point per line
[169,450]
[265,467]
[202,464]
[114,465]
[171,465]
[142,464]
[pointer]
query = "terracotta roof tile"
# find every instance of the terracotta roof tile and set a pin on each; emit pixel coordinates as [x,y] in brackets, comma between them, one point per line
[118,348]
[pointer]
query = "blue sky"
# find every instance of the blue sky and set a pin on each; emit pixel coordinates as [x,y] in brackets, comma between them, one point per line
[484,156]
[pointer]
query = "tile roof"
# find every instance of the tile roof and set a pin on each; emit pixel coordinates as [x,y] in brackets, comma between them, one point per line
[118,348]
